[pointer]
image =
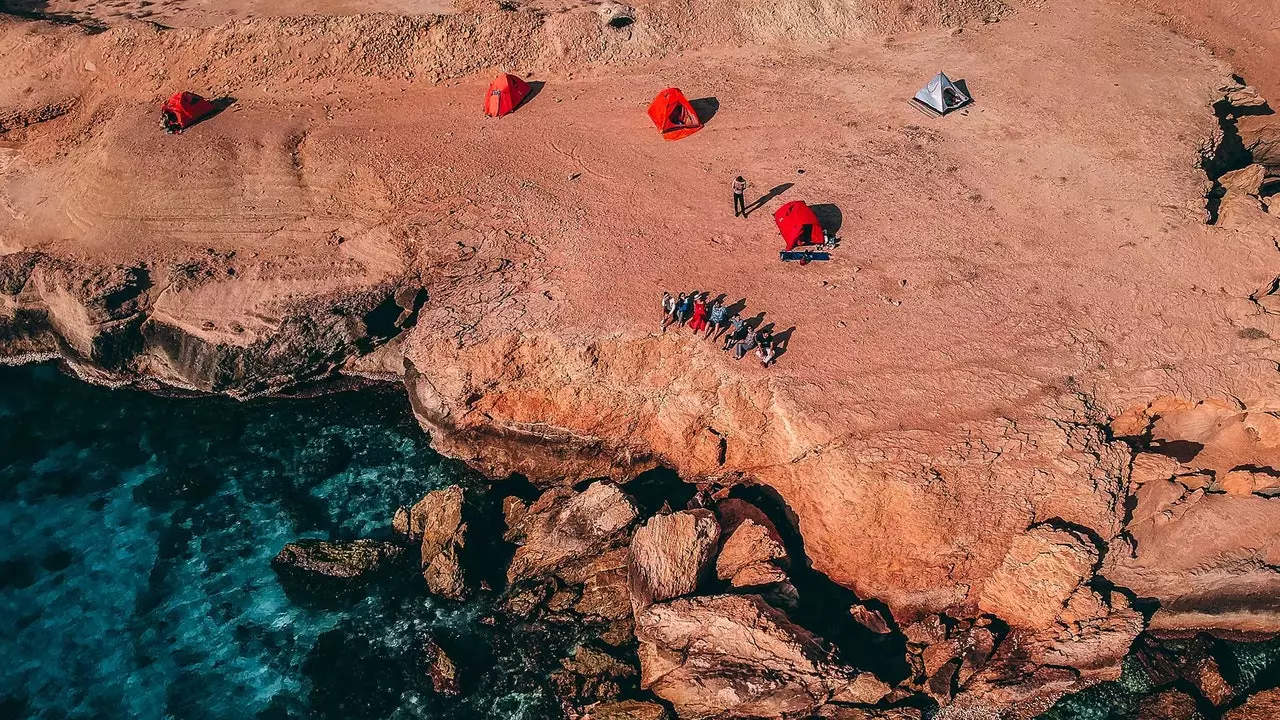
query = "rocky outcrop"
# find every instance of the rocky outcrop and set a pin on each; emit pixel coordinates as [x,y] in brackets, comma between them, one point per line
[563,527]
[1193,662]
[670,554]
[1041,571]
[589,676]
[734,655]
[751,556]
[871,619]
[1168,705]
[1210,559]
[436,522]
[629,710]
[339,560]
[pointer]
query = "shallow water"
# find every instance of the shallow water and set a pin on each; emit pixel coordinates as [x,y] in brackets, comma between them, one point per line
[136,534]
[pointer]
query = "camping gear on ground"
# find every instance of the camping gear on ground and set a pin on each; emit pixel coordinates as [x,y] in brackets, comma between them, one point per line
[940,96]
[506,92]
[804,256]
[798,224]
[671,112]
[183,110]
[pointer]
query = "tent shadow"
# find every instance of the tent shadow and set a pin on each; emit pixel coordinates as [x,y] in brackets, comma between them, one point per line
[706,108]
[535,87]
[219,105]
[830,217]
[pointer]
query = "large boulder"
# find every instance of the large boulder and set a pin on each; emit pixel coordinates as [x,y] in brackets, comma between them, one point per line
[750,556]
[343,560]
[437,521]
[629,710]
[1262,706]
[441,669]
[1168,705]
[669,555]
[735,656]
[603,579]
[563,527]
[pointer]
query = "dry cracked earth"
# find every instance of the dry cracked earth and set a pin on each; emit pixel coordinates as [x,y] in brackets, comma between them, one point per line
[1035,388]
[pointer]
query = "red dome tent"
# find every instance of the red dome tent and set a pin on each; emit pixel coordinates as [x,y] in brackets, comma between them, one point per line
[798,224]
[673,115]
[505,94]
[183,110]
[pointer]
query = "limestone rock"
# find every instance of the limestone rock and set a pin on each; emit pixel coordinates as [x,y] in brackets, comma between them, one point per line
[748,555]
[733,655]
[562,527]
[1152,466]
[1261,706]
[669,556]
[590,676]
[629,710]
[437,520]
[1041,571]
[870,619]
[332,559]
[1244,482]
[1247,181]
[441,669]
[846,712]
[1169,705]
[604,585]
[1211,560]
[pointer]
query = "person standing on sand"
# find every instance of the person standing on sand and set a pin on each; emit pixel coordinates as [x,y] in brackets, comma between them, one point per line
[699,321]
[668,310]
[739,197]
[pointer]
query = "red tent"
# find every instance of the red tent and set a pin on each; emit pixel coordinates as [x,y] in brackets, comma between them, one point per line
[505,94]
[673,115]
[798,224]
[183,110]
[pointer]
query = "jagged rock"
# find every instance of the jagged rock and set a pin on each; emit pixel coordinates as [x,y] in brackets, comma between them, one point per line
[1243,96]
[589,676]
[619,632]
[629,710]
[604,585]
[669,556]
[1168,705]
[1210,559]
[926,631]
[1247,180]
[733,655]
[563,599]
[441,669]
[748,555]
[437,520]
[1262,706]
[400,522]
[1032,668]
[1041,571]
[1191,660]
[1244,482]
[952,661]
[845,712]
[589,662]
[334,559]
[865,689]
[524,600]
[870,619]
[563,527]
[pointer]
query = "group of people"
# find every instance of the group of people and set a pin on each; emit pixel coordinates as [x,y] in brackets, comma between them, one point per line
[716,319]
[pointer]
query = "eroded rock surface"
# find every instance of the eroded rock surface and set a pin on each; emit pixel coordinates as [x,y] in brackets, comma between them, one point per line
[332,559]
[437,522]
[562,527]
[750,556]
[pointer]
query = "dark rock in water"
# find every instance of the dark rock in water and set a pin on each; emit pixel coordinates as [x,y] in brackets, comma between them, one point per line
[441,669]
[1191,660]
[525,601]
[619,632]
[344,560]
[870,619]
[1168,705]
[590,676]
[848,712]
[629,710]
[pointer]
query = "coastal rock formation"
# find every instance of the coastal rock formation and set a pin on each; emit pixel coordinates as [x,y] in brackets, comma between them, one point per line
[605,594]
[562,527]
[1040,573]
[734,655]
[1261,706]
[437,521]
[670,555]
[1169,705]
[630,710]
[750,555]
[441,669]
[340,560]
[870,619]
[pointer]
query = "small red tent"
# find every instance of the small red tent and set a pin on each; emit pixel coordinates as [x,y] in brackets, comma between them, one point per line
[798,224]
[673,115]
[183,110]
[505,94]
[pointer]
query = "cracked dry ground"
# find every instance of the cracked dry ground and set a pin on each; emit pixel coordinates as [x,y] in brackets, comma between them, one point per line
[1028,337]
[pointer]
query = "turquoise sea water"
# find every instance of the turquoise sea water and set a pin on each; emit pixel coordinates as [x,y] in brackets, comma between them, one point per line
[136,534]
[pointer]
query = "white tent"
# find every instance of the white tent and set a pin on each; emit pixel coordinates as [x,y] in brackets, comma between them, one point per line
[941,95]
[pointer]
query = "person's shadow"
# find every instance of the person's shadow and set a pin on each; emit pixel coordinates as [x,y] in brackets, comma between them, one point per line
[763,199]
[781,341]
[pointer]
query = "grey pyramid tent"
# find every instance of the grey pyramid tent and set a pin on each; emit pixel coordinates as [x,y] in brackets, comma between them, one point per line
[941,96]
